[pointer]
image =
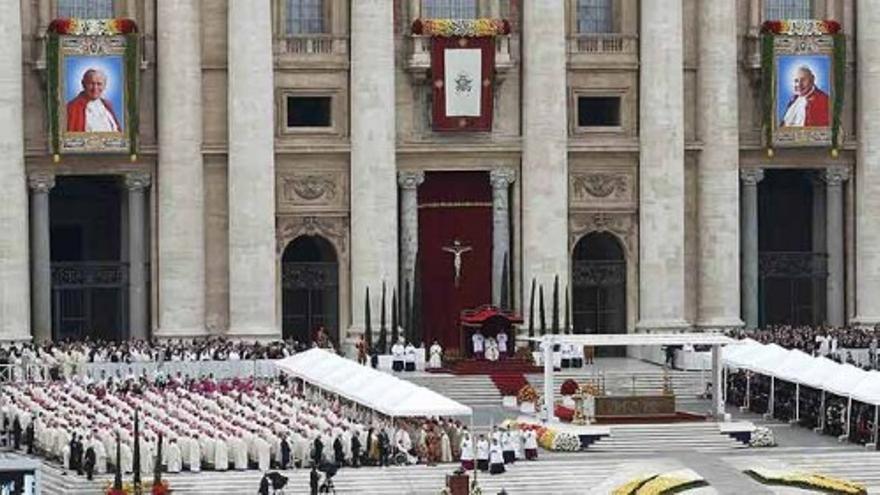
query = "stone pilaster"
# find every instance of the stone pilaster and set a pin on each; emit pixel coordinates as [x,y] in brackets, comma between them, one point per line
[661,168]
[718,170]
[834,235]
[252,264]
[15,307]
[41,258]
[545,139]
[373,167]
[409,226]
[750,179]
[137,183]
[501,179]
[867,169]
[181,193]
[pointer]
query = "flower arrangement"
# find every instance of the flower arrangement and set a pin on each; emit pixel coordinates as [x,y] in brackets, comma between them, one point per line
[527,394]
[632,485]
[808,481]
[92,27]
[569,387]
[801,27]
[162,488]
[566,442]
[466,28]
[546,438]
[762,437]
[565,414]
[524,354]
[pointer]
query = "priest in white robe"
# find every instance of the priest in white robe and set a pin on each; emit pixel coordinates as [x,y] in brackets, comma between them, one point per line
[173,461]
[436,359]
[221,454]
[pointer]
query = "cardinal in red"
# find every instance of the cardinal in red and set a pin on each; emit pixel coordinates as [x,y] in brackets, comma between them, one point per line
[809,105]
[88,111]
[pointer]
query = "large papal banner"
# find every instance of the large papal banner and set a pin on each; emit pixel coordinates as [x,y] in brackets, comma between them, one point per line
[92,82]
[803,83]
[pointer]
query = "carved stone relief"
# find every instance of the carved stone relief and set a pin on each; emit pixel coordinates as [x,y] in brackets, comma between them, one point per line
[334,229]
[621,224]
[592,188]
[311,190]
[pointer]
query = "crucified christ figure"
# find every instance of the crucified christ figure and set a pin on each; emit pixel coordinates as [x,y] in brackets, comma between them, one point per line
[457,250]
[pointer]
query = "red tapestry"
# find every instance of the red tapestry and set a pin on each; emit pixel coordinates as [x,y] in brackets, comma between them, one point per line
[443,122]
[454,205]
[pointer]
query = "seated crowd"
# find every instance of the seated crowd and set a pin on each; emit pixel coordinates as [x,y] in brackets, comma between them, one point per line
[836,343]
[234,424]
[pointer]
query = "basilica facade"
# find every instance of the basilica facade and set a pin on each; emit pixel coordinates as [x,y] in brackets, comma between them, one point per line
[293,154]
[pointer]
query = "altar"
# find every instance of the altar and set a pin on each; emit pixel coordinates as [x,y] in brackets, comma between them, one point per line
[489,321]
[610,408]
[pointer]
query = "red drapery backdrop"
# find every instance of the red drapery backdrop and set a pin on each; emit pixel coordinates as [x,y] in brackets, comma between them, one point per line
[454,205]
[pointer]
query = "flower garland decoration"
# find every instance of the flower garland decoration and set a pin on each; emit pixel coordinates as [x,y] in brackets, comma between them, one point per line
[806,480]
[163,488]
[566,442]
[661,483]
[762,437]
[464,28]
[92,27]
[801,27]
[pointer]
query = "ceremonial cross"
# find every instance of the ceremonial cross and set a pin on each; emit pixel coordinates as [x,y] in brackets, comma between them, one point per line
[457,250]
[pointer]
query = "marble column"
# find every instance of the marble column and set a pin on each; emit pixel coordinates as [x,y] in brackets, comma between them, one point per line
[661,168]
[252,284]
[409,182]
[749,265]
[867,169]
[501,179]
[181,191]
[545,144]
[137,183]
[15,306]
[835,309]
[718,170]
[373,165]
[41,256]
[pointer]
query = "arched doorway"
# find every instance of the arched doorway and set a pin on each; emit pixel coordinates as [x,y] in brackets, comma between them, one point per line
[310,289]
[599,287]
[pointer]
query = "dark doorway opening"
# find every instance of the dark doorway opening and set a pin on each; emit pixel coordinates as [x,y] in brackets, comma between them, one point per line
[599,288]
[89,278]
[310,289]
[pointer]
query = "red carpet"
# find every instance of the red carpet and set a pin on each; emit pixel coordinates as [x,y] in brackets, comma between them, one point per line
[475,367]
[678,417]
[509,383]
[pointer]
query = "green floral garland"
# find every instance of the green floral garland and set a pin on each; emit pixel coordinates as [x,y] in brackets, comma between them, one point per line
[839,88]
[52,91]
[767,80]
[133,72]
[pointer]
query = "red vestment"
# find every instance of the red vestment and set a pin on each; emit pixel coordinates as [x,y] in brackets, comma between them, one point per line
[76,113]
[816,113]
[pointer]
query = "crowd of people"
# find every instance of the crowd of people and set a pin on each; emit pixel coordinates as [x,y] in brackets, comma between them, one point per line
[836,343]
[207,424]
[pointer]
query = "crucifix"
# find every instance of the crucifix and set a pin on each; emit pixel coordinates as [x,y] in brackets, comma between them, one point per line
[457,250]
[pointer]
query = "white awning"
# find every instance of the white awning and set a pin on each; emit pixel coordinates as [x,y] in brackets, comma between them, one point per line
[374,389]
[868,390]
[613,339]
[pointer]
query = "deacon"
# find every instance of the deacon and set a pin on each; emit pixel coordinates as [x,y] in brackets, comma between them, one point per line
[501,338]
[477,339]
[397,352]
[410,357]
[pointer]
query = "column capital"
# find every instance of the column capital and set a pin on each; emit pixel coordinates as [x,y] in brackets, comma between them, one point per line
[410,179]
[41,182]
[835,176]
[138,180]
[502,177]
[751,176]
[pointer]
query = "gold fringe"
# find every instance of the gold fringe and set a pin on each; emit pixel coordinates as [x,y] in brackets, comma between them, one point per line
[463,204]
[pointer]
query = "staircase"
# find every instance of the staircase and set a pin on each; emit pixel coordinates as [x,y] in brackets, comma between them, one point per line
[471,390]
[665,438]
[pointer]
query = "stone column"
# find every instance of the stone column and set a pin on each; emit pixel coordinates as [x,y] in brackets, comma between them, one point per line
[545,144]
[409,226]
[661,168]
[834,234]
[373,165]
[819,245]
[252,285]
[717,383]
[15,306]
[501,179]
[137,183]
[41,257]
[718,170]
[750,179]
[867,169]
[181,193]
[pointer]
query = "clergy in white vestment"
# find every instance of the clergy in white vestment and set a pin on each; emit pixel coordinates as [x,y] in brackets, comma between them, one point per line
[496,459]
[445,448]
[100,456]
[491,349]
[508,448]
[436,359]
[221,454]
[126,459]
[195,454]
[397,352]
[478,340]
[530,444]
[467,452]
[501,339]
[239,454]
[147,456]
[409,357]
[482,454]
[263,454]
[172,456]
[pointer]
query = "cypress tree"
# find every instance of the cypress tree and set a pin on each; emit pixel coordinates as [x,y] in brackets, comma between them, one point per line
[505,286]
[136,461]
[383,330]
[554,325]
[416,332]
[157,465]
[395,315]
[542,318]
[407,311]
[368,326]
[567,313]
[117,477]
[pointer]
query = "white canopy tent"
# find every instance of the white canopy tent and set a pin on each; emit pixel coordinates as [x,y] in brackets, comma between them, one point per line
[373,389]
